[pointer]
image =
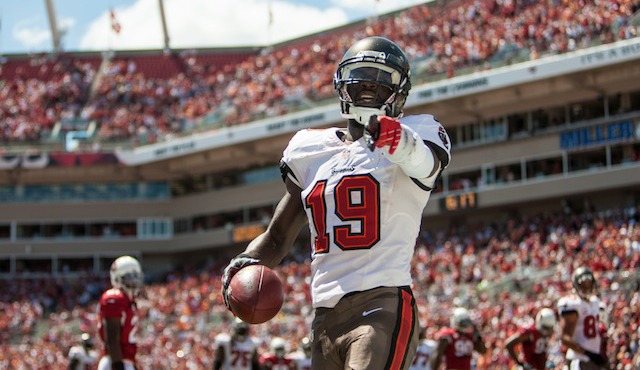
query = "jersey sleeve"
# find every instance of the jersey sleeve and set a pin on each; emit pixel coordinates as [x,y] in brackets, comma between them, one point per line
[298,152]
[432,133]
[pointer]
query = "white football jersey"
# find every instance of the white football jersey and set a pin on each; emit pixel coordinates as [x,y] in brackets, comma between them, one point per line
[237,355]
[424,354]
[586,333]
[85,358]
[364,212]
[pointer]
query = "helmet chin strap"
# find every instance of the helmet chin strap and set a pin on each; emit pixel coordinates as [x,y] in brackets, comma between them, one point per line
[363,114]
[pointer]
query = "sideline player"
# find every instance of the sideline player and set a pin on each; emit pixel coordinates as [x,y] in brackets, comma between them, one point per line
[579,312]
[82,356]
[534,341]
[302,356]
[238,351]
[457,343]
[276,359]
[424,354]
[362,192]
[118,324]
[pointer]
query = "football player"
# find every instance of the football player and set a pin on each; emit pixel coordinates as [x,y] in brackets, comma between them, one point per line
[362,191]
[276,360]
[82,356]
[118,315]
[457,343]
[238,351]
[425,352]
[534,340]
[302,356]
[579,312]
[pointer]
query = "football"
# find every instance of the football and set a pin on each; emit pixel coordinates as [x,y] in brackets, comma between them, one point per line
[256,294]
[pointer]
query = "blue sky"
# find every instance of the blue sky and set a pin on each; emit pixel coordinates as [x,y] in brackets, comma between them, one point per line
[191,23]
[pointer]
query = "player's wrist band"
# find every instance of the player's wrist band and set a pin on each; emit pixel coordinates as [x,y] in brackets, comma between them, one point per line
[117,365]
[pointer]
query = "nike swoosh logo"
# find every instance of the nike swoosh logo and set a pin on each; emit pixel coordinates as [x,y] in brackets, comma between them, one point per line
[367,313]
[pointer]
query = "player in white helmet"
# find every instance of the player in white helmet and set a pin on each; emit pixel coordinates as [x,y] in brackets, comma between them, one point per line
[276,359]
[302,356]
[457,343]
[118,324]
[534,341]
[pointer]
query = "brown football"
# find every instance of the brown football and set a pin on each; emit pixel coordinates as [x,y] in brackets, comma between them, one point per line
[256,294]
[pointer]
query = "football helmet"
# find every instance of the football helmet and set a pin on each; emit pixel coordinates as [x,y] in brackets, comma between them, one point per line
[583,282]
[86,341]
[126,275]
[240,330]
[278,347]
[461,320]
[305,344]
[373,78]
[546,321]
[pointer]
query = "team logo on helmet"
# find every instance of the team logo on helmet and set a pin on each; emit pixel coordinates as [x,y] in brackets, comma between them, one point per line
[443,136]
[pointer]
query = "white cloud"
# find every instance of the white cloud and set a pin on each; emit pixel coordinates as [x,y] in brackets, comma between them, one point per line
[377,6]
[31,33]
[205,23]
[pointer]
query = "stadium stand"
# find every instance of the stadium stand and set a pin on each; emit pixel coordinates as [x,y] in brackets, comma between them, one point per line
[532,256]
[164,94]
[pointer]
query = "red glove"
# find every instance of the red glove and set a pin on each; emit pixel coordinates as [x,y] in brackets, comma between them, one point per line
[385,131]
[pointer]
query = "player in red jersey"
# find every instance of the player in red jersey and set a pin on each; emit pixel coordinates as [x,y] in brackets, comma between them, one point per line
[118,315]
[276,360]
[534,340]
[456,344]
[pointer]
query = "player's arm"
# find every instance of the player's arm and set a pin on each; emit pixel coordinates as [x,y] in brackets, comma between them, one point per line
[569,322]
[112,342]
[255,360]
[288,219]
[511,343]
[478,342]
[404,147]
[270,247]
[437,359]
[218,358]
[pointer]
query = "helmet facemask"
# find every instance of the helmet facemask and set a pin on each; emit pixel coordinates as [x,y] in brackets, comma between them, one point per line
[372,83]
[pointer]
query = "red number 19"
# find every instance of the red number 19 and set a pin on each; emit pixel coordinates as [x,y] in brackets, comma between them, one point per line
[357,198]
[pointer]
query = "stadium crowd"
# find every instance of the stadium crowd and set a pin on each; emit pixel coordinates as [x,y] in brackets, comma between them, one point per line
[524,263]
[443,39]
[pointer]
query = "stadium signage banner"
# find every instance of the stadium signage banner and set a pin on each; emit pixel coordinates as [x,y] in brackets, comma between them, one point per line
[544,68]
[598,134]
[230,136]
[541,69]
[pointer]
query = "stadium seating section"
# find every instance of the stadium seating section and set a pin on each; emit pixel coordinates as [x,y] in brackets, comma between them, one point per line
[148,97]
